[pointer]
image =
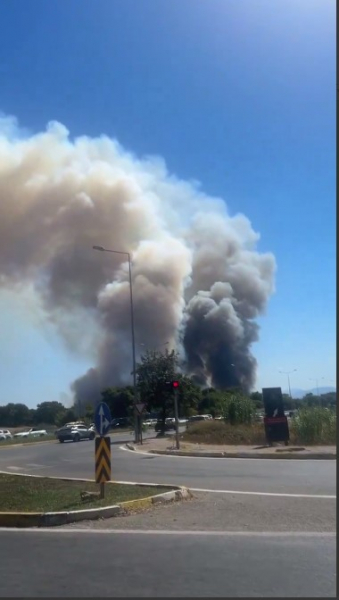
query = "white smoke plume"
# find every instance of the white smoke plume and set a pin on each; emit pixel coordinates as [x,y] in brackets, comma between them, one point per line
[198,281]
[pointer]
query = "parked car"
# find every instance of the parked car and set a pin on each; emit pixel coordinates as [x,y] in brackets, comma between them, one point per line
[5,434]
[121,422]
[197,418]
[169,425]
[33,432]
[75,433]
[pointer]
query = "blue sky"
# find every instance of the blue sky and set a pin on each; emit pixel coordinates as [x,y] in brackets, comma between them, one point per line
[238,94]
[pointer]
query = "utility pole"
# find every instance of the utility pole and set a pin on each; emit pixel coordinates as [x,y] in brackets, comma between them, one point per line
[288,379]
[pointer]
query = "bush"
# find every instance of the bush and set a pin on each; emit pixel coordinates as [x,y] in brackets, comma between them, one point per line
[311,426]
[314,426]
[239,409]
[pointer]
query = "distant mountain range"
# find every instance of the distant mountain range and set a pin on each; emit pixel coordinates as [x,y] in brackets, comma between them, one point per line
[298,393]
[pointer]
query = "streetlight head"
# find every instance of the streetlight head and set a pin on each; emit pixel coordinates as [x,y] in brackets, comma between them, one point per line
[101,248]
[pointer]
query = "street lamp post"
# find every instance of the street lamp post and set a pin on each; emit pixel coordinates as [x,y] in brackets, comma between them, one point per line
[316,380]
[288,379]
[102,249]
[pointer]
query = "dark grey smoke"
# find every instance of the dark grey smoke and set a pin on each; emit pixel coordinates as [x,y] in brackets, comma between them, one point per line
[198,281]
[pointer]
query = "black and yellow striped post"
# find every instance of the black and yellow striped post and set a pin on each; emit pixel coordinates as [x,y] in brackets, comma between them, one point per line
[102,462]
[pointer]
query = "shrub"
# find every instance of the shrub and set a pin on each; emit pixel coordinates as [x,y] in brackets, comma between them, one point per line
[314,426]
[239,409]
[310,426]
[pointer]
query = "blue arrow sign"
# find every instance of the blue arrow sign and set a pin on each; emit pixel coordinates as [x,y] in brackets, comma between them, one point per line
[102,418]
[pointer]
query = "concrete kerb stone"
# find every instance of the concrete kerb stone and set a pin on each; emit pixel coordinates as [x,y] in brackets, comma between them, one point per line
[131,447]
[279,455]
[50,519]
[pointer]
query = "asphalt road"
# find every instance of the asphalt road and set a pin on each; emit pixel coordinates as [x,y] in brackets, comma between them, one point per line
[68,563]
[259,476]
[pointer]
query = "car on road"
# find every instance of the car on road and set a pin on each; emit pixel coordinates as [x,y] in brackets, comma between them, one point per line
[75,433]
[33,432]
[5,435]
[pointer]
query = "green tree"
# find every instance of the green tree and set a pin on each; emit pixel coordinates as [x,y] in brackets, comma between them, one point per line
[239,408]
[154,370]
[46,412]
[65,415]
[15,415]
[189,396]
[119,400]
[89,413]
[256,397]
[213,402]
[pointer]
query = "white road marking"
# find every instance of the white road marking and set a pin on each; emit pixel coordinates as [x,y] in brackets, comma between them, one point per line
[15,468]
[72,530]
[136,452]
[282,495]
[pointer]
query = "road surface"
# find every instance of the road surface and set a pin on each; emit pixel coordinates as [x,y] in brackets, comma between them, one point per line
[265,529]
[258,476]
[71,563]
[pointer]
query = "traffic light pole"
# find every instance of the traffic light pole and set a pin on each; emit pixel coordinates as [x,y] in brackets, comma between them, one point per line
[176,414]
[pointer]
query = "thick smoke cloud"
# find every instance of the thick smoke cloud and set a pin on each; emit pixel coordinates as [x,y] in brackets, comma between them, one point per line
[198,281]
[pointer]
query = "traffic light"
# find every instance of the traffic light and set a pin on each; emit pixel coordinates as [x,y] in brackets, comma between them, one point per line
[172,385]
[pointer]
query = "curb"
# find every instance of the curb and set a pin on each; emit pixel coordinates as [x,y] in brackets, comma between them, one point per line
[282,454]
[52,519]
[131,447]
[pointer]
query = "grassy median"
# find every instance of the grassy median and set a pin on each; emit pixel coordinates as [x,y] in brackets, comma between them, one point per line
[39,494]
[27,440]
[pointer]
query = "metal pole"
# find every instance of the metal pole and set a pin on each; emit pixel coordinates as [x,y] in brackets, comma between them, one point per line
[102,249]
[288,379]
[176,414]
[133,351]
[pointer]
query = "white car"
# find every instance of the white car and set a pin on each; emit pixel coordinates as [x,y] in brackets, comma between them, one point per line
[33,432]
[5,434]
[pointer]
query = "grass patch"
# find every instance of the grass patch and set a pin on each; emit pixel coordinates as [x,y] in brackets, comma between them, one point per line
[38,494]
[316,426]
[27,440]
[218,432]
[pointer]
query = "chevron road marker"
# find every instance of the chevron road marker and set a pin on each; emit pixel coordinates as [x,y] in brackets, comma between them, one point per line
[102,462]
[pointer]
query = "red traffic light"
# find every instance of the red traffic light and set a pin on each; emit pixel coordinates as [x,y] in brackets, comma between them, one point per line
[175,384]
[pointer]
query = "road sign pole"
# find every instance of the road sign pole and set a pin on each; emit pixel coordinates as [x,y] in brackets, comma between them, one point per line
[102,490]
[176,414]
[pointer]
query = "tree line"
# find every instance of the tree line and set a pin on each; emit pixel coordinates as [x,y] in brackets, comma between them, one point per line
[153,373]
